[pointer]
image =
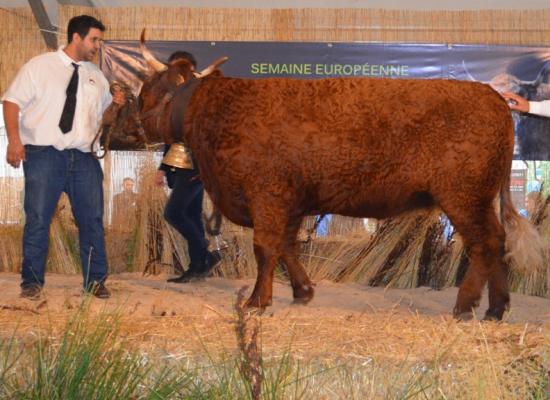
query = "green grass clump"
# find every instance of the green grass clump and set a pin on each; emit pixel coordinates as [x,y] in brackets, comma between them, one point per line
[89,361]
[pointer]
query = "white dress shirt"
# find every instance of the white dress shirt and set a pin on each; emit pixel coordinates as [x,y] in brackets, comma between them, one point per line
[39,91]
[541,108]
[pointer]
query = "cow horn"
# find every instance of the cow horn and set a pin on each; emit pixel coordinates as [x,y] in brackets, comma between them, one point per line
[211,68]
[149,57]
[467,71]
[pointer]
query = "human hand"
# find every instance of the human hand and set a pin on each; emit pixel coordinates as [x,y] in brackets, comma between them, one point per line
[15,154]
[159,177]
[119,97]
[516,102]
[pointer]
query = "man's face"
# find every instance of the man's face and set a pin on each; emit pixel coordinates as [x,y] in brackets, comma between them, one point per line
[128,185]
[88,46]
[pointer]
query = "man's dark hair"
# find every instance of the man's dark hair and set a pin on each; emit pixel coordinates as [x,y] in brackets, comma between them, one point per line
[81,25]
[183,55]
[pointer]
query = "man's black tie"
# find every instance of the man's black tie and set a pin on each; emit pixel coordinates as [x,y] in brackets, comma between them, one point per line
[67,116]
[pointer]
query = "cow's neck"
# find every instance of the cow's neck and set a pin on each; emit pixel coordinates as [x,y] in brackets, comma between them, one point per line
[182,96]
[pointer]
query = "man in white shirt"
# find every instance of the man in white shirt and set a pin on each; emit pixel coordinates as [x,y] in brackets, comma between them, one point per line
[518,103]
[61,97]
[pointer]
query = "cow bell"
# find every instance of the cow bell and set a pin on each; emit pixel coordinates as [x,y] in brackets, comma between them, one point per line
[178,156]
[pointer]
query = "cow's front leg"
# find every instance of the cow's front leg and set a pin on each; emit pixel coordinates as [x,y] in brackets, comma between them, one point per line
[263,289]
[269,226]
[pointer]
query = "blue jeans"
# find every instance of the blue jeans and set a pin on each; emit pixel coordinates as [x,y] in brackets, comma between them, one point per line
[48,173]
[184,212]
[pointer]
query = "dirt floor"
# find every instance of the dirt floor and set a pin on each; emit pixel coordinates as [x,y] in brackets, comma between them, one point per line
[343,320]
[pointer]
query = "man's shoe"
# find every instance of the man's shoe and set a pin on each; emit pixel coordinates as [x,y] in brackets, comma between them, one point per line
[211,260]
[31,292]
[99,290]
[188,276]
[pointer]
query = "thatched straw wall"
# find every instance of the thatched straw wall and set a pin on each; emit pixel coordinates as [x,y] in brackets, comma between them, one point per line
[20,38]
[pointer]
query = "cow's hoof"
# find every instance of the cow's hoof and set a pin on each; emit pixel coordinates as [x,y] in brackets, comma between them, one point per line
[257,302]
[463,316]
[303,294]
[493,315]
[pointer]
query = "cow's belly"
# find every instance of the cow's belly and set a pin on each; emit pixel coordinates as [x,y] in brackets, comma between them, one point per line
[231,203]
[361,205]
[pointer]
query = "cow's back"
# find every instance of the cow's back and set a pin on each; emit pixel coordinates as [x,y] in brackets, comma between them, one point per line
[360,147]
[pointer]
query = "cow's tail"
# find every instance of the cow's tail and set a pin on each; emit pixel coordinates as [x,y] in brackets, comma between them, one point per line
[525,249]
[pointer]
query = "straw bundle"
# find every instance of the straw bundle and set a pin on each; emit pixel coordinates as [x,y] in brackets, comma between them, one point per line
[10,247]
[63,256]
[532,281]
[151,231]
[393,257]
[64,253]
[329,257]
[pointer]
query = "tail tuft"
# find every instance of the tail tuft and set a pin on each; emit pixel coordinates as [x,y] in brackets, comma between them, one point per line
[526,251]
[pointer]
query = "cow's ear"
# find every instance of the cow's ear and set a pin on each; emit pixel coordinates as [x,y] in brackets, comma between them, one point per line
[180,79]
[176,76]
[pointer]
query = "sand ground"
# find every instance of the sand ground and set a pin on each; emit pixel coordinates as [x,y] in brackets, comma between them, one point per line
[343,320]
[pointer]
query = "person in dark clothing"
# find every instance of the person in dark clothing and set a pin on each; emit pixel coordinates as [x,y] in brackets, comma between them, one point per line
[183,209]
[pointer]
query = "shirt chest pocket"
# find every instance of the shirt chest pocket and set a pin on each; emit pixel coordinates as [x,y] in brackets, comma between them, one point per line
[91,94]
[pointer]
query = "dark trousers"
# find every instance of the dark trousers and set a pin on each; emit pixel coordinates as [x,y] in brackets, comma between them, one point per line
[184,212]
[48,173]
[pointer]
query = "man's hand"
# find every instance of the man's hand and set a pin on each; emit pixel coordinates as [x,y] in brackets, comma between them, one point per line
[516,102]
[119,98]
[15,154]
[159,177]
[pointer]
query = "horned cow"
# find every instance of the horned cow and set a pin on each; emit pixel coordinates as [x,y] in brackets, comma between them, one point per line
[272,151]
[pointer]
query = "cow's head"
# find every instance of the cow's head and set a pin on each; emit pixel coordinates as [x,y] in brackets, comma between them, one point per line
[147,122]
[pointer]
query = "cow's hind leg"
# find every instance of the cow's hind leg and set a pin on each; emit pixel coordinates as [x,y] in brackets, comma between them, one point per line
[483,237]
[302,287]
[499,294]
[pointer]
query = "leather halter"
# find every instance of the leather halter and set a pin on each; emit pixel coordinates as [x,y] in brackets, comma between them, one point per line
[180,95]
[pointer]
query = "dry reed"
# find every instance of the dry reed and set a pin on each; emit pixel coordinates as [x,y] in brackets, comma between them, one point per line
[247,329]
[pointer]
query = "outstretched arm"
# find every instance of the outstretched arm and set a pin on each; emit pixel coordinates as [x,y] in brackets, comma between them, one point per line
[518,103]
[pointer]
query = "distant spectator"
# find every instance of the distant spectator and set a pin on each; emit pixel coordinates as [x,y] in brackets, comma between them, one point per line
[323,227]
[532,201]
[125,207]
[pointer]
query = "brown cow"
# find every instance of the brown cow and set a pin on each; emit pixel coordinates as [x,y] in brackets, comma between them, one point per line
[271,151]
